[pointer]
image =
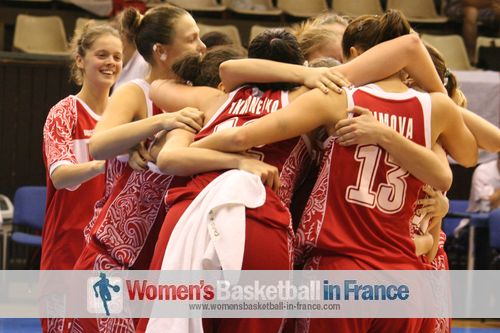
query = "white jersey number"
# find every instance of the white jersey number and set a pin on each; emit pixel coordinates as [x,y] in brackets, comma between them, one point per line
[388,197]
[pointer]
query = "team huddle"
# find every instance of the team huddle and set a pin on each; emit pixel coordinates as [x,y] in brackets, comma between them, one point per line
[133,177]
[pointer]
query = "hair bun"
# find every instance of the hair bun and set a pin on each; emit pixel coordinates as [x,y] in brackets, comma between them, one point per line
[131,21]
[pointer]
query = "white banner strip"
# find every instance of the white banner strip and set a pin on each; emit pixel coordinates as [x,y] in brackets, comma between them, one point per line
[250,294]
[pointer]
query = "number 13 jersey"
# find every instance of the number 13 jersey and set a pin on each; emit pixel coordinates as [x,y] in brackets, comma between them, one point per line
[362,203]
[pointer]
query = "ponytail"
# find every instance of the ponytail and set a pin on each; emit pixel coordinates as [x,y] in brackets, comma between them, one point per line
[156,26]
[366,31]
[278,45]
[130,21]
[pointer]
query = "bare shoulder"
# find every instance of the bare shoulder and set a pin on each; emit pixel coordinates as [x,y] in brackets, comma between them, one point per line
[209,91]
[129,98]
[440,100]
[126,104]
[128,91]
[445,113]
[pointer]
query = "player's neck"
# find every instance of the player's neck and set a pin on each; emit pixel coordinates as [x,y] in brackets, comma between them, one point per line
[159,73]
[392,84]
[96,99]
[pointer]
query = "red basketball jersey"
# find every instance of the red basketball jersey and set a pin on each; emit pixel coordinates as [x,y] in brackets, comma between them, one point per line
[117,170]
[244,106]
[363,202]
[69,126]
[133,202]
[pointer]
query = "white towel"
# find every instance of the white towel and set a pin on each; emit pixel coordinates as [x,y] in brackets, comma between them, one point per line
[211,235]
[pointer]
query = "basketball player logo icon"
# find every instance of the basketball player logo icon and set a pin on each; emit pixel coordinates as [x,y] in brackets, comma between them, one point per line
[104,295]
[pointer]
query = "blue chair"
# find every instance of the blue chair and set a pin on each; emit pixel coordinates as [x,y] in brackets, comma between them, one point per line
[29,211]
[494,223]
[457,212]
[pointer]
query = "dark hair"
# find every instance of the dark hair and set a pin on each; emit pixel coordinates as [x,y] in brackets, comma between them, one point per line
[366,31]
[83,40]
[204,70]
[156,26]
[278,45]
[216,38]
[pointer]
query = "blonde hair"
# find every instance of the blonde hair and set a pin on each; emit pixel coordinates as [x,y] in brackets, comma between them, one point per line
[312,35]
[315,38]
[324,62]
[82,41]
[330,18]
[318,22]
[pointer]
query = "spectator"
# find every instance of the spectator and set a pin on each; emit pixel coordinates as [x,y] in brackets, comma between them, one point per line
[485,189]
[473,12]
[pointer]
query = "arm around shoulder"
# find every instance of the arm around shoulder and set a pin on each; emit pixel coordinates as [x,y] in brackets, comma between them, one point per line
[406,52]
[306,113]
[171,96]
[235,73]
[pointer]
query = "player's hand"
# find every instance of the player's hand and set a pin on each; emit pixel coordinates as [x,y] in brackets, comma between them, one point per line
[157,145]
[267,173]
[325,79]
[361,130]
[139,157]
[436,204]
[190,119]
[494,200]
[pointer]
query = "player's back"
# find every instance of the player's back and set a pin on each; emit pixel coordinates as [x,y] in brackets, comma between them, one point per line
[246,105]
[370,200]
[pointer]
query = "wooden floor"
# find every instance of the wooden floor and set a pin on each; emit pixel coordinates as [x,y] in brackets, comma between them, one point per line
[487,323]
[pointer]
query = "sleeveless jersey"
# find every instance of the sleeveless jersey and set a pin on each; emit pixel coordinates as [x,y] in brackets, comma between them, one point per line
[117,165]
[288,158]
[244,106]
[363,203]
[133,206]
[113,171]
[68,128]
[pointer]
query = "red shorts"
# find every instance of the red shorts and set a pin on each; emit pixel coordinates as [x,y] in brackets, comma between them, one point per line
[267,232]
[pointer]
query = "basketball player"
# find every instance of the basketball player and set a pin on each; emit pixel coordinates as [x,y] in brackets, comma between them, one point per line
[272,219]
[72,175]
[363,220]
[175,160]
[162,35]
